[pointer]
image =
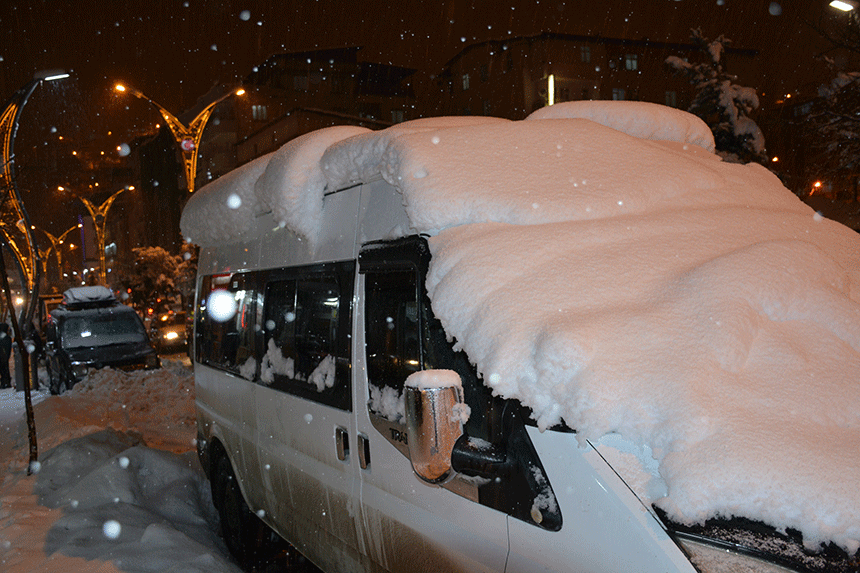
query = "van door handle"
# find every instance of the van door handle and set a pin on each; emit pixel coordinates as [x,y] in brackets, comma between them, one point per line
[363,451]
[341,442]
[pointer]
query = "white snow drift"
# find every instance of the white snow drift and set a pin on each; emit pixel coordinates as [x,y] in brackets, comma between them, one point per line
[117,487]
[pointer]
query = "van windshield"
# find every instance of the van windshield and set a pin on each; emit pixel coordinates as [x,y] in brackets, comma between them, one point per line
[101,330]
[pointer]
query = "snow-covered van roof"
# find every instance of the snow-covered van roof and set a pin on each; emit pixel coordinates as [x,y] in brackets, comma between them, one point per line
[622,278]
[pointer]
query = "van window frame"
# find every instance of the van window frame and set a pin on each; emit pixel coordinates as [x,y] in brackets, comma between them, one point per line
[202,328]
[339,395]
[492,420]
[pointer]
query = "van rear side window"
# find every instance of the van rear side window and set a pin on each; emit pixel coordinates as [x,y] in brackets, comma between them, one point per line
[226,322]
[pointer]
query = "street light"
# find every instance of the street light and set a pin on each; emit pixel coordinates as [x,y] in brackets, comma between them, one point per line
[8,128]
[55,244]
[99,214]
[186,137]
[844,5]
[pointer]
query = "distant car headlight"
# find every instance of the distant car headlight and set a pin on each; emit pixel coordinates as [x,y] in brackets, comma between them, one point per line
[171,335]
[712,559]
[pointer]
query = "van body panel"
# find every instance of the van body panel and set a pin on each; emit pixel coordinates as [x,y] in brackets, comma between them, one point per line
[406,523]
[337,241]
[230,258]
[381,214]
[302,477]
[606,528]
[225,411]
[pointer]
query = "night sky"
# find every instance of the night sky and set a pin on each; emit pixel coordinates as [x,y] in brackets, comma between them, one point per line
[176,50]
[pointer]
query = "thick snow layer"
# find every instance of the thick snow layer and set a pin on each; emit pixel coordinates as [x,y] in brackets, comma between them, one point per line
[118,486]
[232,204]
[611,274]
[292,185]
[640,119]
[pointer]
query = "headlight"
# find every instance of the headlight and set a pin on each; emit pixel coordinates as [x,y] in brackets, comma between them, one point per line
[171,335]
[713,559]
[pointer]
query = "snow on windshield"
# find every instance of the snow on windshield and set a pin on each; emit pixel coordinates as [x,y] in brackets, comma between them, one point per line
[628,281]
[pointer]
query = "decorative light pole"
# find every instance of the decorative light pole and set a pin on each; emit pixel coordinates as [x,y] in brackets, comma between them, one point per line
[9,232]
[187,137]
[55,244]
[99,214]
[8,128]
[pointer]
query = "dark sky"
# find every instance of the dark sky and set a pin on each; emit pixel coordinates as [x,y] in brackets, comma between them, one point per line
[176,50]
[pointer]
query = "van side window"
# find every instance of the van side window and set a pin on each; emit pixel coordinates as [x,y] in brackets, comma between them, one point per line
[391,338]
[402,336]
[225,324]
[305,336]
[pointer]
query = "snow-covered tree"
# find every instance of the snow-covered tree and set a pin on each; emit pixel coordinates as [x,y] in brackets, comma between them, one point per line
[830,126]
[724,105]
[187,272]
[835,127]
[152,280]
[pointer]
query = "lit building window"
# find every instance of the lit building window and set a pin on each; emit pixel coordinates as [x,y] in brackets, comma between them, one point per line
[259,112]
[465,82]
[563,94]
[617,93]
[672,99]
[585,53]
[631,61]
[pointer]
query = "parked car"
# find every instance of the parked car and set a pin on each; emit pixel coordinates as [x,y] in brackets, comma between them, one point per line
[169,332]
[91,329]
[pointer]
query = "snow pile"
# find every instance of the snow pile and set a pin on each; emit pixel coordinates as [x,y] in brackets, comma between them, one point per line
[225,219]
[292,181]
[130,401]
[297,183]
[142,508]
[640,119]
[644,288]
[104,499]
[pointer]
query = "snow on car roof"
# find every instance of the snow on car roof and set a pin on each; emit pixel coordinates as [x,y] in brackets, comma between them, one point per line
[623,279]
[88,294]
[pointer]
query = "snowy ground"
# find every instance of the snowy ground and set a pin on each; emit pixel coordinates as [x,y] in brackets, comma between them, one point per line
[118,486]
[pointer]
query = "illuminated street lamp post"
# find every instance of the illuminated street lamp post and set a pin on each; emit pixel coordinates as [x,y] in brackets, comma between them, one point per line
[8,128]
[55,244]
[844,5]
[99,214]
[187,137]
[9,232]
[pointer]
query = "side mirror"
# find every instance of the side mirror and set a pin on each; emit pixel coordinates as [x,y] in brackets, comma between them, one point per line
[435,413]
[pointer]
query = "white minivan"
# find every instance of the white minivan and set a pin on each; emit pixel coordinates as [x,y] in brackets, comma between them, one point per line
[557,344]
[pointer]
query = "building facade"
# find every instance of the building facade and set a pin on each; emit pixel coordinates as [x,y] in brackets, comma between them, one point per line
[291,94]
[513,77]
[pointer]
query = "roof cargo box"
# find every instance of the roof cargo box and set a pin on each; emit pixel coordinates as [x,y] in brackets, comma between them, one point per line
[88,297]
